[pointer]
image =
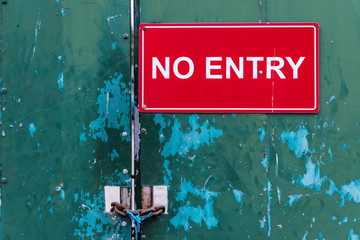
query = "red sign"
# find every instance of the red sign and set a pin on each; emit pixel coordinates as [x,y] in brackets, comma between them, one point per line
[256,67]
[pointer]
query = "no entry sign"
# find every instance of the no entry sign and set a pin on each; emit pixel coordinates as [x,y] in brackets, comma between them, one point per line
[259,67]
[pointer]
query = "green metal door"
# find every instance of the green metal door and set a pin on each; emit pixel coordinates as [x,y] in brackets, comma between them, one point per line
[65,113]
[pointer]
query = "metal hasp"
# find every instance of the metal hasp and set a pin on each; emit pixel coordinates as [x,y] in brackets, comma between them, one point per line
[150,196]
[154,203]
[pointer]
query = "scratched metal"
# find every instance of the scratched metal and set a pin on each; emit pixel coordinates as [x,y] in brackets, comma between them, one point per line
[221,185]
[65,65]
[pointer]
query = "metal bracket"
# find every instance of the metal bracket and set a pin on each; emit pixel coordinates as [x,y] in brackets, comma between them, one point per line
[156,195]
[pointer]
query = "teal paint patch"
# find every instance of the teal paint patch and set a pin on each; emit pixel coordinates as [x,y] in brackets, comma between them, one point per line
[199,135]
[332,98]
[331,155]
[32,129]
[76,197]
[294,198]
[159,119]
[269,207]
[262,134]
[237,195]
[345,220]
[311,179]
[349,192]
[82,138]
[113,110]
[94,223]
[117,178]
[262,222]
[297,141]
[167,173]
[60,81]
[265,163]
[114,155]
[197,213]
[352,235]
[113,45]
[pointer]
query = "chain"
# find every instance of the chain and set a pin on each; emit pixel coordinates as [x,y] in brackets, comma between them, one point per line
[122,210]
[136,216]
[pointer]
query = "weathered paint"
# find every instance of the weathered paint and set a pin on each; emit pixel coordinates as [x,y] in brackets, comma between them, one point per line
[66,107]
[230,176]
[277,176]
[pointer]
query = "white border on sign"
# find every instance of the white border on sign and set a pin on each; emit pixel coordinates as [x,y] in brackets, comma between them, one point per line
[234,109]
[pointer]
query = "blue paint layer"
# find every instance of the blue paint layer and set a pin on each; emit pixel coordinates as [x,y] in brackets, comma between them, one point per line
[352,235]
[113,109]
[82,138]
[343,221]
[269,207]
[32,129]
[311,178]
[297,141]
[348,192]
[262,134]
[167,173]
[113,45]
[114,155]
[93,223]
[60,81]
[197,214]
[181,142]
[158,119]
[265,163]
[331,155]
[332,98]
[238,195]
[294,198]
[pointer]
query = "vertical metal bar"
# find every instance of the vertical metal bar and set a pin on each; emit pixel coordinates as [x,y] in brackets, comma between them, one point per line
[132,108]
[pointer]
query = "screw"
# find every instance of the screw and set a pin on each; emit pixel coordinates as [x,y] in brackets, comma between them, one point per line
[144,28]
[125,36]
[124,134]
[124,224]
[260,72]
[3,180]
[125,171]
[144,107]
[143,131]
[4,91]
[332,41]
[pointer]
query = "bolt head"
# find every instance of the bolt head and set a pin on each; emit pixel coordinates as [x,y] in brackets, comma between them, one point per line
[124,223]
[3,91]
[125,36]
[143,131]
[124,134]
[144,28]
[3,180]
[260,72]
[144,107]
[125,171]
